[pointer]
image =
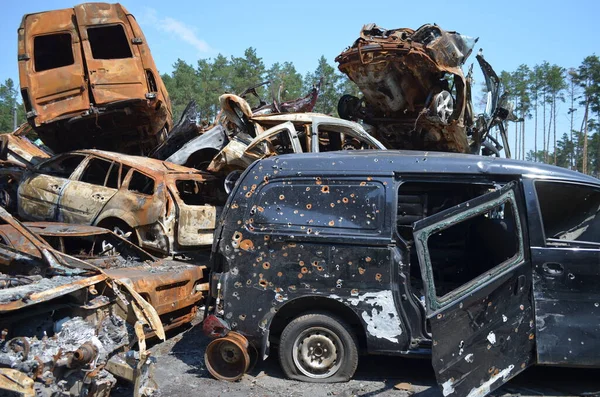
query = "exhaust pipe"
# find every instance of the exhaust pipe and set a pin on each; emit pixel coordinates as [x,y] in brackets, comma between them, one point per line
[227,358]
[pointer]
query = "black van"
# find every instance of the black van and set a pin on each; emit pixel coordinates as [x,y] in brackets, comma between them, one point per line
[489,265]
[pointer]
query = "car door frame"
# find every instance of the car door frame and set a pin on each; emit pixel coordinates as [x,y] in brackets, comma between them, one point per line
[566,312]
[354,130]
[483,331]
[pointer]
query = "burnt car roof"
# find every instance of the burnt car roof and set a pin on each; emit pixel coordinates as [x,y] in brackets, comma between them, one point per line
[142,163]
[410,162]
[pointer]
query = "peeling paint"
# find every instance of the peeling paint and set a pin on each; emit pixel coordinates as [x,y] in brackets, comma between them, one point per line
[447,387]
[485,388]
[383,320]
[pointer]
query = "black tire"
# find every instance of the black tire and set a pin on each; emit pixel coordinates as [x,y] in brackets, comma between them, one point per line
[306,346]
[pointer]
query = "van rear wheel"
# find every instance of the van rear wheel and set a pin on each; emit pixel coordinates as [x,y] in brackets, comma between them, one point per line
[318,347]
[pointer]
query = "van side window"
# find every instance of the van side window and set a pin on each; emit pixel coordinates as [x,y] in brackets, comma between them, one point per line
[52,51]
[570,213]
[319,206]
[109,42]
[63,166]
[141,183]
[194,192]
[96,171]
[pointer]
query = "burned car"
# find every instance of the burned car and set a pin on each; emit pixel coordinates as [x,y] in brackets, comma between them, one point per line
[162,207]
[17,153]
[68,328]
[489,265]
[242,136]
[88,80]
[174,289]
[416,95]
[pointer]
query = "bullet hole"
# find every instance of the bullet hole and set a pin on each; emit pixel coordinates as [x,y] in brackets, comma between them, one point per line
[234,206]
[350,263]
[308,188]
[292,288]
[491,370]
[250,220]
[237,284]
[531,336]
[279,274]
[300,275]
[320,268]
[263,283]
[354,292]
[439,316]
[266,265]
[345,200]
[260,209]
[378,277]
[352,195]
[239,222]
[244,188]
[370,178]
[522,307]
[318,180]
[251,228]
[301,263]
[331,223]
[247,245]
[368,259]
[242,317]
[361,270]
[281,197]
[248,282]
[571,276]
[237,236]
[266,179]
[285,254]
[308,206]
[309,231]
[332,205]
[325,189]
[249,194]
[315,263]
[363,183]
[304,270]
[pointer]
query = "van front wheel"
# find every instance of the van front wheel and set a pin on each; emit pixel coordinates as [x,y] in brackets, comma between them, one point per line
[318,347]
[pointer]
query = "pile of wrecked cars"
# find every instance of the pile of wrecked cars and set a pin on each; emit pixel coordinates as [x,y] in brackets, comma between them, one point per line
[299,232]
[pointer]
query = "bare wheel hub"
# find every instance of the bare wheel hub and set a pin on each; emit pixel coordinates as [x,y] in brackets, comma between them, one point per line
[316,352]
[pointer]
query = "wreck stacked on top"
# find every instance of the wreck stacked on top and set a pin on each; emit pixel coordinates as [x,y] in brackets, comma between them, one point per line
[415,93]
[88,80]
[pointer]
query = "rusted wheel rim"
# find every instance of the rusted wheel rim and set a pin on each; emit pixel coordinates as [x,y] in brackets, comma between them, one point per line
[317,352]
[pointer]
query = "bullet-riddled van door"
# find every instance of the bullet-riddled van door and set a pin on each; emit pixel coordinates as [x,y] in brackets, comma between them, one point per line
[51,69]
[112,58]
[477,278]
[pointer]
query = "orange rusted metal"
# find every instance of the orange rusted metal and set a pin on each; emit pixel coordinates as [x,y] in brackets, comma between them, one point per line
[164,214]
[88,80]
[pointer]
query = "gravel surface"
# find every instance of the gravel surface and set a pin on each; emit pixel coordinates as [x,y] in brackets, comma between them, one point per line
[181,371]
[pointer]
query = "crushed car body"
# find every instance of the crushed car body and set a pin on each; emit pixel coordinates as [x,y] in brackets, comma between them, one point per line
[68,328]
[416,95]
[163,207]
[88,80]
[242,136]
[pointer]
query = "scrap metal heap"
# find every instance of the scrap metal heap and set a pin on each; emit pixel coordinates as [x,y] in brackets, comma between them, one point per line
[415,93]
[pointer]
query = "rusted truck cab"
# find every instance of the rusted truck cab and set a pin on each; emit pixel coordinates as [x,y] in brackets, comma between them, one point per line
[88,80]
[488,265]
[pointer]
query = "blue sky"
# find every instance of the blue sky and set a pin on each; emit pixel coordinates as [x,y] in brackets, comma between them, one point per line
[510,32]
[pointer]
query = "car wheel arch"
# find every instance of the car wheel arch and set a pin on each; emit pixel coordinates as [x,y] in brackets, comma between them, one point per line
[325,305]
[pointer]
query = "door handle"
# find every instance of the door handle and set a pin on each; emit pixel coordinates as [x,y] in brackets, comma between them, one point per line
[553,269]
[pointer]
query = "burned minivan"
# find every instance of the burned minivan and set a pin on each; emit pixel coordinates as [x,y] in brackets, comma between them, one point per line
[488,265]
[88,80]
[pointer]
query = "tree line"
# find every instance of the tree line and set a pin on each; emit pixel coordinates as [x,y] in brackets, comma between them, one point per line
[545,92]
[210,78]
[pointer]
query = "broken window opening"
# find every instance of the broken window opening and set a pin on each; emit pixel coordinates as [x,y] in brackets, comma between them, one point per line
[52,51]
[109,42]
[193,192]
[62,167]
[570,213]
[141,183]
[96,171]
[419,200]
[472,247]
